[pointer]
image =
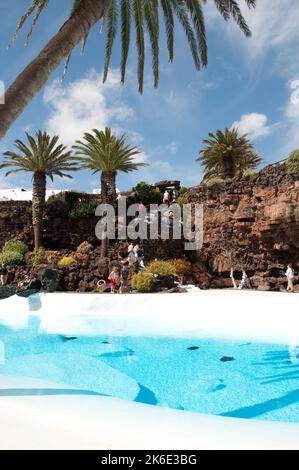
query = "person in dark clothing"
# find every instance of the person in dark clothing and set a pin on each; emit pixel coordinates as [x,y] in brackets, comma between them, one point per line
[124,278]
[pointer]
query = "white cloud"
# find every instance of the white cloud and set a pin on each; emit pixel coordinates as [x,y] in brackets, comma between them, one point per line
[291,114]
[172,147]
[253,124]
[274,26]
[83,105]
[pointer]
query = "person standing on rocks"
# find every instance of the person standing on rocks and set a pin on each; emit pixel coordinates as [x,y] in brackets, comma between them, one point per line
[3,275]
[290,277]
[130,247]
[124,278]
[114,279]
[166,197]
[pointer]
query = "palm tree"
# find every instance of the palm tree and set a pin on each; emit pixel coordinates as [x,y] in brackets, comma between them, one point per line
[43,157]
[226,153]
[144,14]
[103,152]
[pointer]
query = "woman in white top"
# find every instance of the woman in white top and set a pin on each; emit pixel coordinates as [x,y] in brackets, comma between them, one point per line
[130,247]
[136,249]
[290,276]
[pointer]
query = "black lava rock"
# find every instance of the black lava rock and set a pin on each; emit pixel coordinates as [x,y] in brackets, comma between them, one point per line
[227,359]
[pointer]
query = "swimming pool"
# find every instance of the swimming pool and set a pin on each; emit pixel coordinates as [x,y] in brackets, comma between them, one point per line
[232,378]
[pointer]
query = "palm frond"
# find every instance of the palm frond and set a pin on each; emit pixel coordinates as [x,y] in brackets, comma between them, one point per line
[42,154]
[197,16]
[36,6]
[151,16]
[181,13]
[138,16]
[142,14]
[125,36]
[103,151]
[225,153]
[111,16]
[169,27]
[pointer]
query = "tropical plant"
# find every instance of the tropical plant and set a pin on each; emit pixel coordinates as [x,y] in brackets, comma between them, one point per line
[84,248]
[215,181]
[292,163]
[58,207]
[66,261]
[106,153]
[145,16]
[183,190]
[11,258]
[43,157]
[16,246]
[181,266]
[39,257]
[249,172]
[83,210]
[145,193]
[143,282]
[226,153]
[161,268]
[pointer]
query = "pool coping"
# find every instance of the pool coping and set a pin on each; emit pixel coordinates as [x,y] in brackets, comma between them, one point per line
[73,422]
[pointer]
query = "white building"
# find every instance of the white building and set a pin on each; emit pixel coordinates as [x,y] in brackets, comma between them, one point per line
[20,194]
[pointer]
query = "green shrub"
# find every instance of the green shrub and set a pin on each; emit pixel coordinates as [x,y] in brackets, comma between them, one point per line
[16,246]
[249,172]
[83,210]
[66,261]
[84,248]
[183,190]
[215,181]
[58,207]
[39,257]
[292,163]
[161,268]
[53,256]
[142,282]
[145,193]
[181,266]
[11,258]
[181,201]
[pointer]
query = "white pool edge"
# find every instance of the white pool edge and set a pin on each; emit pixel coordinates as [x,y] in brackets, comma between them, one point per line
[86,422]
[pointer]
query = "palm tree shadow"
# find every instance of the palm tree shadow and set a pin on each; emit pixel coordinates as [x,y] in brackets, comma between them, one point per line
[264,407]
[280,360]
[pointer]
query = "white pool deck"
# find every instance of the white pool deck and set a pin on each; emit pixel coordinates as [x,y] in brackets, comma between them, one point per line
[52,421]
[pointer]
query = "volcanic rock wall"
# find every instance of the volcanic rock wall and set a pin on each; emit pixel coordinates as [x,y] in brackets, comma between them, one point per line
[255,221]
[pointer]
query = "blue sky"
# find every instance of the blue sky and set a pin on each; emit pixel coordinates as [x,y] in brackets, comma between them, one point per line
[247,83]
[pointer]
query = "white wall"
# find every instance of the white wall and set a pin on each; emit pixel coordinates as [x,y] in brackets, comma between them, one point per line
[261,316]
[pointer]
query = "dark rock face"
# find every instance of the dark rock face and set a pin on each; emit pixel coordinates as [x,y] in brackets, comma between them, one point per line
[50,280]
[255,218]
[7,291]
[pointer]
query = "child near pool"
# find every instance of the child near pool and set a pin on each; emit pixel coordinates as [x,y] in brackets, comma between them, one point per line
[114,279]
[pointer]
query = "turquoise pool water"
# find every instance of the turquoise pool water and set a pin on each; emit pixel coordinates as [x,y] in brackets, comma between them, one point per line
[238,379]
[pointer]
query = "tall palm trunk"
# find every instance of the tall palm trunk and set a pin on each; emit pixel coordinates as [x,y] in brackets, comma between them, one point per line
[229,167]
[108,196]
[36,74]
[38,204]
